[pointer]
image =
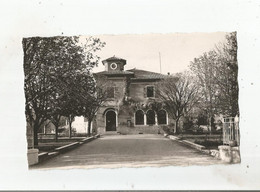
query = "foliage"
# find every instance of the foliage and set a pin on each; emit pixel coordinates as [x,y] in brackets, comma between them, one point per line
[178,94]
[216,73]
[49,64]
[95,100]
[76,94]
[203,69]
[202,119]
[226,78]
[209,144]
[128,101]
[188,125]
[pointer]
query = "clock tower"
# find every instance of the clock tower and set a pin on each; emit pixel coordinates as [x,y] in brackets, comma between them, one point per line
[114,64]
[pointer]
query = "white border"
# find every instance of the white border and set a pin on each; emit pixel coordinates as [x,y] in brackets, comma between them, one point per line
[49,18]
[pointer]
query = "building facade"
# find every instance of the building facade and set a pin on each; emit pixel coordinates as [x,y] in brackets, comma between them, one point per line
[132,106]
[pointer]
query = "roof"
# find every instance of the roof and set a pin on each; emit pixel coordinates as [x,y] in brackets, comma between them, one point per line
[114,58]
[142,74]
[136,73]
[115,73]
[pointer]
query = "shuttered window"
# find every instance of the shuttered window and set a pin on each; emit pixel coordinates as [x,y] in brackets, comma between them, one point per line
[110,92]
[117,93]
[145,92]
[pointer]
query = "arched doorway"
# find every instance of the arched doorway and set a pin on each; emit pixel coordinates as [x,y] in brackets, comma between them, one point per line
[139,117]
[110,120]
[150,115]
[162,117]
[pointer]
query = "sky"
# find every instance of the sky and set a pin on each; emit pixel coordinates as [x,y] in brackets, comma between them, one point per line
[141,51]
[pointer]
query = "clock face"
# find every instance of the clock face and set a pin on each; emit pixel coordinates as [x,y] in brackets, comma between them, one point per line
[113,66]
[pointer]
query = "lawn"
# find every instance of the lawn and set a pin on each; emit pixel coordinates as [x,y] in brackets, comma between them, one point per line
[209,141]
[48,145]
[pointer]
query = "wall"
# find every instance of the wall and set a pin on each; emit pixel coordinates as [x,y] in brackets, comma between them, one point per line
[100,120]
[137,91]
[140,130]
[80,125]
[119,84]
[124,112]
[112,103]
[120,65]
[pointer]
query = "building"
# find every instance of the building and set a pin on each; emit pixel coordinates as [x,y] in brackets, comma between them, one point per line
[132,106]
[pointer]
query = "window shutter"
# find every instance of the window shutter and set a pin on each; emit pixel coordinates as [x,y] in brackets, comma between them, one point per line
[116,92]
[155,92]
[145,92]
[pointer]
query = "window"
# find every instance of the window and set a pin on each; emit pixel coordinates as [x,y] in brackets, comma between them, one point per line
[150,117]
[161,116]
[150,91]
[110,92]
[139,117]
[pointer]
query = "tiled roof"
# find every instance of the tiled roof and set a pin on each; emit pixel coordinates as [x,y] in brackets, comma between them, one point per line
[142,74]
[115,73]
[137,74]
[114,58]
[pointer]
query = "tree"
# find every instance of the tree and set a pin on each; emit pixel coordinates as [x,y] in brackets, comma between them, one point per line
[95,101]
[226,76]
[202,118]
[216,72]
[36,84]
[47,62]
[75,93]
[70,109]
[203,69]
[178,94]
[56,107]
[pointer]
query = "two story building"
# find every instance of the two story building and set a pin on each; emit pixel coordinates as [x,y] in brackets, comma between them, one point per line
[132,106]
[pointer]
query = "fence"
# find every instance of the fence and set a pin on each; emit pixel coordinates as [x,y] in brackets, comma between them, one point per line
[231,130]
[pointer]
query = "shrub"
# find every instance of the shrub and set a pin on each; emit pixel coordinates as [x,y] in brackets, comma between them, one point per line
[209,143]
[167,130]
[81,135]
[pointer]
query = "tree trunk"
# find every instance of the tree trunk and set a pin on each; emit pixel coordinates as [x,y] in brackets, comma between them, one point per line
[56,132]
[177,126]
[209,123]
[70,119]
[35,135]
[70,129]
[89,127]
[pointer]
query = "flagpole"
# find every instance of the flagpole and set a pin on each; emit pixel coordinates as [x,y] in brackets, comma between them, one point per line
[160,62]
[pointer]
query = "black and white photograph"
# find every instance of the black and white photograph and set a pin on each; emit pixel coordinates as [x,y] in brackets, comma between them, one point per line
[160,100]
[129,95]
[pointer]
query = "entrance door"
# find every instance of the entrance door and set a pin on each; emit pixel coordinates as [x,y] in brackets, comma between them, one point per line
[110,121]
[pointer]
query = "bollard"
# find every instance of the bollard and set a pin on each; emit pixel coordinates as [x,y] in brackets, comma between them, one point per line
[229,154]
[32,156]
[225,153]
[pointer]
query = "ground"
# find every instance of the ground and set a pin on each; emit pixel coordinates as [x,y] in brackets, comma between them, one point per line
[129,151]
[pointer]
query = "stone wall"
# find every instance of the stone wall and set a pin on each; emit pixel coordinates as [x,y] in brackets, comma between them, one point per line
[125,112]
[137,91]
[126,123]
[140,130]
[120,88]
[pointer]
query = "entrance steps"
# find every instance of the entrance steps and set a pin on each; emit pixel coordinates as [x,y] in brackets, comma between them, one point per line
[111,133]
